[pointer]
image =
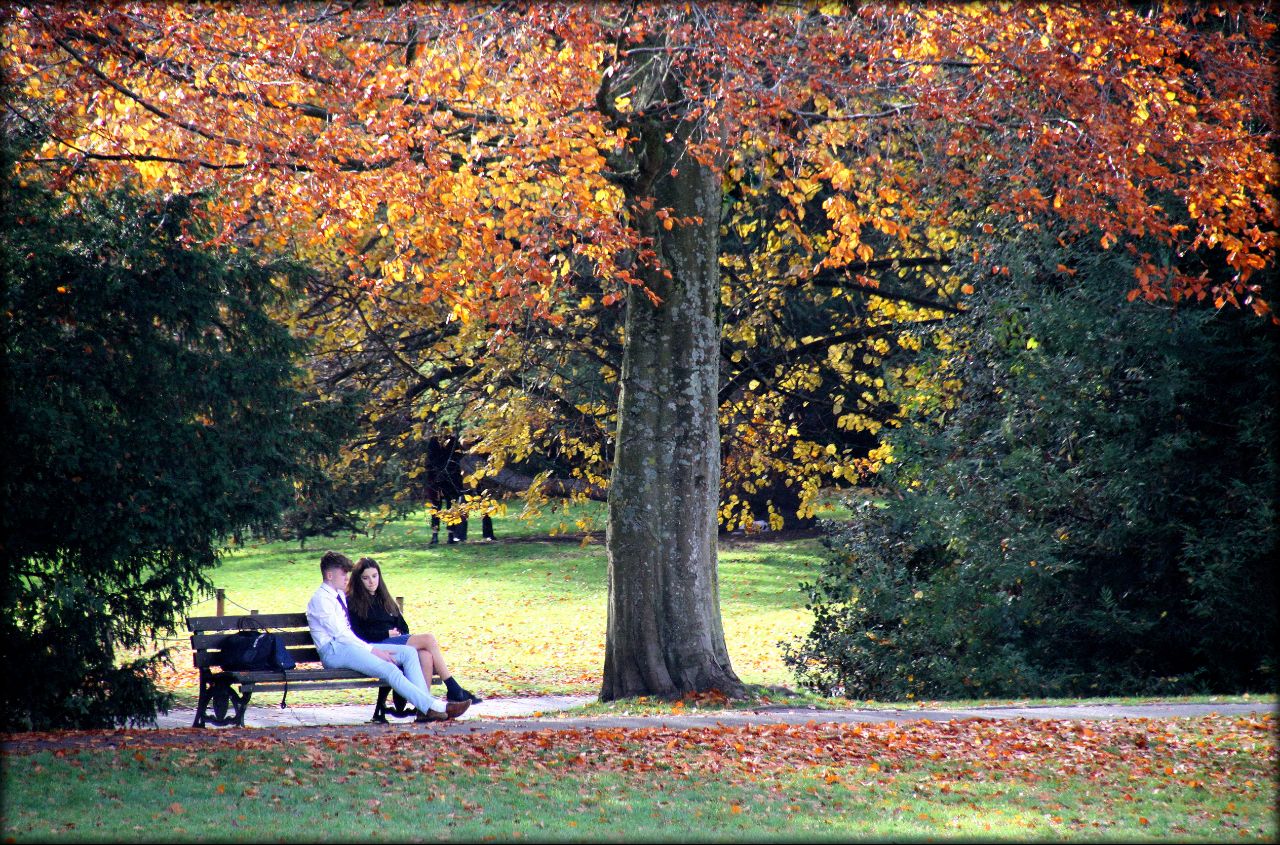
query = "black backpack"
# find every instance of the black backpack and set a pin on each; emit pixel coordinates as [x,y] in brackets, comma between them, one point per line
[257,651]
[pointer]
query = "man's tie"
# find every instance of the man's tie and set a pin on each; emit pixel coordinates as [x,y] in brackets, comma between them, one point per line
[342,600]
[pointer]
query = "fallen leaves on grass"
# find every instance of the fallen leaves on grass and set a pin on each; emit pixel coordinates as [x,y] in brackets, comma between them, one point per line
[1134,742]
[932,775]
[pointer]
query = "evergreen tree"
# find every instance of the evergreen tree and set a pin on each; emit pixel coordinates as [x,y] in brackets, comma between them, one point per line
[152,409]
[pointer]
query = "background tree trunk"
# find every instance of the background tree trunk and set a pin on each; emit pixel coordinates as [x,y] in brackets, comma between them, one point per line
[665,635]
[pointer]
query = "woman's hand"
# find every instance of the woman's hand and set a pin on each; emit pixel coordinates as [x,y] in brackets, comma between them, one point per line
[393,632]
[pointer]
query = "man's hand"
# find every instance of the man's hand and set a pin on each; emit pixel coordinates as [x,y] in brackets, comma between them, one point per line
[385,655]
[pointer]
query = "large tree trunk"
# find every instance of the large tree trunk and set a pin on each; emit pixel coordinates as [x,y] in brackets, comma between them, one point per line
[664,631]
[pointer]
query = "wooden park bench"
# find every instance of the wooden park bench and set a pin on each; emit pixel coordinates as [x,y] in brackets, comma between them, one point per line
[221,704]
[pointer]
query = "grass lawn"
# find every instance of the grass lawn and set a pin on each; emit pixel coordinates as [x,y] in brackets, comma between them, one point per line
[525,614]
[1209,779]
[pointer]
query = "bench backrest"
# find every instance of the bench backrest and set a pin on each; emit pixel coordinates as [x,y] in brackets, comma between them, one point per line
[208,632]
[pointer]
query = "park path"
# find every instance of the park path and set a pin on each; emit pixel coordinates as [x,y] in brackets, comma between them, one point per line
[524,714]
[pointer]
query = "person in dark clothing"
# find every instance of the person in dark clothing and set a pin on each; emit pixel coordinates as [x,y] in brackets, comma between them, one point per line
[444,486]
[376,619]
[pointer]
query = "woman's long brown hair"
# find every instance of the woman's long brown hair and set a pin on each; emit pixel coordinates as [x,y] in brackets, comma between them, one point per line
[358,597]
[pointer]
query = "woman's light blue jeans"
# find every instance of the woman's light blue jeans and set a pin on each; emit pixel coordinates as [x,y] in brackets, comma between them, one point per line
[404,676]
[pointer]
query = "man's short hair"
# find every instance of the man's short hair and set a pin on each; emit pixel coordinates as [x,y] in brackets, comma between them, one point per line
[335,560]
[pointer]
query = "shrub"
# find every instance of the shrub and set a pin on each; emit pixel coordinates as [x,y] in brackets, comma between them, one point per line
[1088,508]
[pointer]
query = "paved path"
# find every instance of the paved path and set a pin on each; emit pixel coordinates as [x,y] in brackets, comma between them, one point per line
[263,712]
[524,715]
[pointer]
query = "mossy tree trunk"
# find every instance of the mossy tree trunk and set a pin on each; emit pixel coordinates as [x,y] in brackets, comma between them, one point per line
[665,635]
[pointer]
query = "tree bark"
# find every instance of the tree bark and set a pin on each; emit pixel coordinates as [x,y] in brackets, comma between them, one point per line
[665,635]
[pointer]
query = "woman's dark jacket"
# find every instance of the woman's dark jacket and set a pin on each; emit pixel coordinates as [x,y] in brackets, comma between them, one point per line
[373,628]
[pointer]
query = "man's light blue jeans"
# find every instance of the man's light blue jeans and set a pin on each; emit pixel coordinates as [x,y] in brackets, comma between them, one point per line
[404,676]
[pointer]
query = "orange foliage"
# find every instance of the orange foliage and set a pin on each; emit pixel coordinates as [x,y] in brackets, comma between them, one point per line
[465,147]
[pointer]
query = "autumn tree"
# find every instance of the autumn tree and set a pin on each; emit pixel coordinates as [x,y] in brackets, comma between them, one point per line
[498,155]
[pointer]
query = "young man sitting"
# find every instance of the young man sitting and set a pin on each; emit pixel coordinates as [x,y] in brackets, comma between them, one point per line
[340,648]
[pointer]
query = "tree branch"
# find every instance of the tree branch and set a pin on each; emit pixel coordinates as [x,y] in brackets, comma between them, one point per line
[891,111]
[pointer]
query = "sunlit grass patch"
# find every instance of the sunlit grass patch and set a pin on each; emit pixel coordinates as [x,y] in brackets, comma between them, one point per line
[522,615]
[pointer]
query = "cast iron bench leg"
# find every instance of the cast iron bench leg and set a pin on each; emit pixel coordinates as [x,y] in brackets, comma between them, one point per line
[217,695]
[202,704]
[380,709]
[241,702]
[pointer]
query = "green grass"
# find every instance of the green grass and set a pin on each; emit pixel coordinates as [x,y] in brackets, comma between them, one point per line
[1194,780]
[525,614]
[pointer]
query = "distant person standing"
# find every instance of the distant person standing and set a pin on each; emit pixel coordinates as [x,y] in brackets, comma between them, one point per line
[396,665]
[445,487]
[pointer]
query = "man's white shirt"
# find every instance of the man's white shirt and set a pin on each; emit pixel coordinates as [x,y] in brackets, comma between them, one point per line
[328,620]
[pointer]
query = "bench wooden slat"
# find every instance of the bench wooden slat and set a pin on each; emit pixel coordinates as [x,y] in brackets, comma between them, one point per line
[198,624]
[212,659]
[363,682]
[300,675]
[207,642]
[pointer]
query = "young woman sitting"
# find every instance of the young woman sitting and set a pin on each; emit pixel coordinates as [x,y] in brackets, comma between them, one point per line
[376,619]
